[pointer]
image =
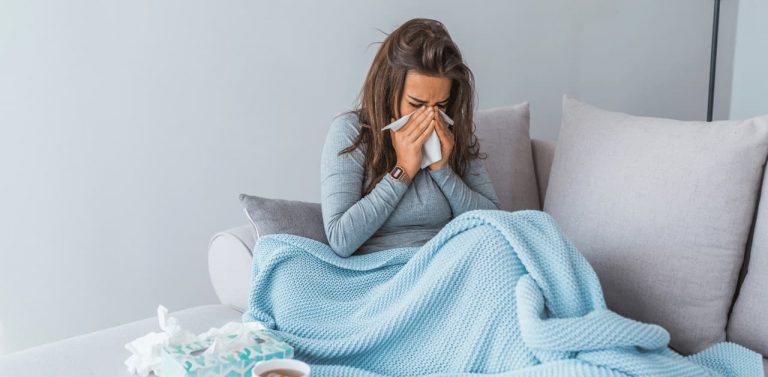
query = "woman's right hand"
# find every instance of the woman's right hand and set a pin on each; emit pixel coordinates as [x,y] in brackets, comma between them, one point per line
[409,139]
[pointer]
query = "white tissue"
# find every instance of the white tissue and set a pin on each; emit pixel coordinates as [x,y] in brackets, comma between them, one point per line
[146,351]
[431,151]
[222,340]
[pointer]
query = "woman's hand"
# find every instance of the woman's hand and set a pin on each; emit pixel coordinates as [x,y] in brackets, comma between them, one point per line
[446,142]
[409,139]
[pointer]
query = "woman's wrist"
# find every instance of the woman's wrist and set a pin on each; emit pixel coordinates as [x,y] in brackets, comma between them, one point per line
[439,168]
[400,173]
[408,169]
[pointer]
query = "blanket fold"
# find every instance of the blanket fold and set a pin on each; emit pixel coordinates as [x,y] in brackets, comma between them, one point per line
[493,293]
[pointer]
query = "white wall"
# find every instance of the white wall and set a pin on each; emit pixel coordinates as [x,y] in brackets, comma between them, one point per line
[749,95]
[128,128]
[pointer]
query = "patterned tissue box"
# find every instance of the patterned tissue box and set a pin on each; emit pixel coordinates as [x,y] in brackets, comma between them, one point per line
[189,359]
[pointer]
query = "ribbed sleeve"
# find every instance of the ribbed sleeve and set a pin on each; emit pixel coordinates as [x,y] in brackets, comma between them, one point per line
[473,192]
[349,218]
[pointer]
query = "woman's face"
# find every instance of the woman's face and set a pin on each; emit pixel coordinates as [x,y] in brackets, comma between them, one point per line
[420,89]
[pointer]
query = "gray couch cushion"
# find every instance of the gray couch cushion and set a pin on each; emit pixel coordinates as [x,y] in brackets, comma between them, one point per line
[503,133]
[748,324]
[543,153]
[271,216]
[103,353]
[661,209]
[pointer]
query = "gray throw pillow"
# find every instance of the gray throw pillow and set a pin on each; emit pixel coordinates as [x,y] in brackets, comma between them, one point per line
[272,216]
[662,209]
[503,133]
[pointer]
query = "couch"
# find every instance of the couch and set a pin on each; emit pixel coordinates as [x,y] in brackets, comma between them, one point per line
[102,353]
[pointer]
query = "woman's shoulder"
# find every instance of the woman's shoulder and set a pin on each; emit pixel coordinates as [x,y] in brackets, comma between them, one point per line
[344,126]
[347,120]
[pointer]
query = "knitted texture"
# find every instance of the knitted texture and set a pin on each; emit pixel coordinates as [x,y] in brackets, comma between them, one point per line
[494,292]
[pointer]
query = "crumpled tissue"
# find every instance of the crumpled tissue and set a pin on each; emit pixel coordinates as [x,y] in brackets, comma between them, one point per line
[147,350]
[431,151]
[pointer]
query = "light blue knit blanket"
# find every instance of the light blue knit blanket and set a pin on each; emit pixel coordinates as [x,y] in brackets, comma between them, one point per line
[493,292]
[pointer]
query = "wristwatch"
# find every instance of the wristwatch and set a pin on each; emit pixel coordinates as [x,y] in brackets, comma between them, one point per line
[400,174]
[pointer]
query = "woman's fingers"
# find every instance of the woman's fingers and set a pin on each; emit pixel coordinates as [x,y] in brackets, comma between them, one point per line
[422,123]
[440,125]
[427,131]
[405,129]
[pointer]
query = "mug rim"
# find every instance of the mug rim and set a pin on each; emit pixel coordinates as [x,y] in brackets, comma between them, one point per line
[292,364]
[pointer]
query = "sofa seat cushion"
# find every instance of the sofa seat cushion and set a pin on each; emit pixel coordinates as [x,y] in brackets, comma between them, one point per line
[103,353]
[662,210]
[748,324]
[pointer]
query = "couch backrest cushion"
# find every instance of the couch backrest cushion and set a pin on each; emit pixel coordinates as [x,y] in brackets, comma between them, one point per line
[661,209]
[503,133]
[543,153]
[748,324]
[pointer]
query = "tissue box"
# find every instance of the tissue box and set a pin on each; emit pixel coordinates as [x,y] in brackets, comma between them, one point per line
[188,360]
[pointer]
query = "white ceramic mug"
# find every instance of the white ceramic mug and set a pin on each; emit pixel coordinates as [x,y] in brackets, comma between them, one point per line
[290,364]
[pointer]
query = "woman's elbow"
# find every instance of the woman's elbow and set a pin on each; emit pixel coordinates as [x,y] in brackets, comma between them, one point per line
[492,204]
[495,202]
[338,243]
[342,250]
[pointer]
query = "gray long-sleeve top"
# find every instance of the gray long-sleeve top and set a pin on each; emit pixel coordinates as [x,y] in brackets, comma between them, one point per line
[393,214]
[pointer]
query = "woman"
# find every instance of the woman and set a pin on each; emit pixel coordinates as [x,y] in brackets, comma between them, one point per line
[375,196]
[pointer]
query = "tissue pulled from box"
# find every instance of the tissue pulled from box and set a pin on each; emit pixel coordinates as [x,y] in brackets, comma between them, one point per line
[147,350]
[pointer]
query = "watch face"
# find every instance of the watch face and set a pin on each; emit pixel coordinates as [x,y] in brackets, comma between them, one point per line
[397,172]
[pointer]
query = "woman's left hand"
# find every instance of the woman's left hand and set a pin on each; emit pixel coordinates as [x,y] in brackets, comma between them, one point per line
[446,141]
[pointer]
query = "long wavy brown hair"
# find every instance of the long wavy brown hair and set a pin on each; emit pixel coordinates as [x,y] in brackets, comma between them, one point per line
[422,45]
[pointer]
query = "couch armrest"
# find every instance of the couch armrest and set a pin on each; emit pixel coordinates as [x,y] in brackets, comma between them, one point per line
[543,153]
[229,265]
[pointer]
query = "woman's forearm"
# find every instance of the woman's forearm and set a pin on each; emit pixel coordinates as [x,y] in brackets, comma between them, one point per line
[349,218]
[347,229]
[475,191]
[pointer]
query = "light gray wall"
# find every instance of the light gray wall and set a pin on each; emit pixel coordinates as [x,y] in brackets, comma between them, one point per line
[749,95]
[128,128]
